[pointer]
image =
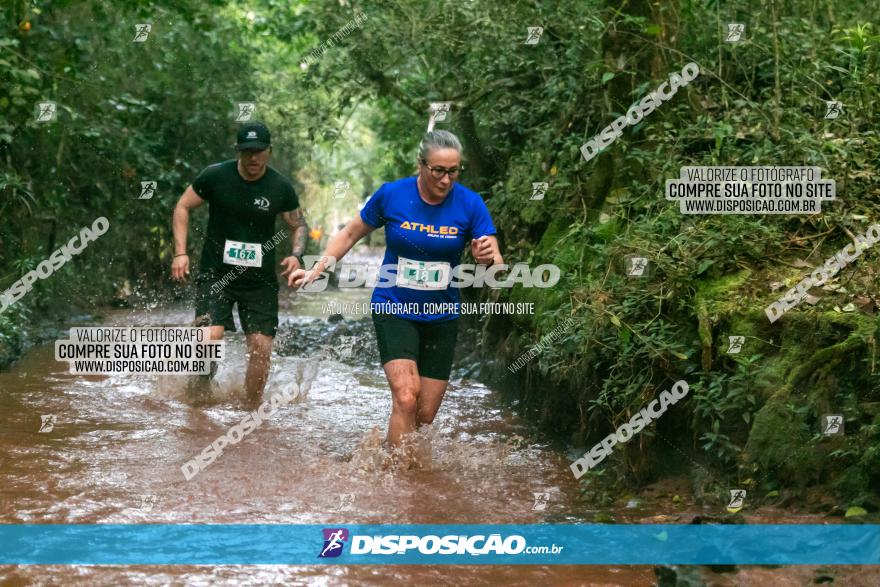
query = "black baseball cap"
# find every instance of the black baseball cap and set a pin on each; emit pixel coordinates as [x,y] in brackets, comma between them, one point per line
[253,135]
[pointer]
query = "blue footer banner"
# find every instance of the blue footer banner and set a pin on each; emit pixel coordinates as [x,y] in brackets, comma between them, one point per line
[564,544]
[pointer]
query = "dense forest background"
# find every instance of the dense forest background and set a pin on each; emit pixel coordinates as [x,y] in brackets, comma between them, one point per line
[164,108]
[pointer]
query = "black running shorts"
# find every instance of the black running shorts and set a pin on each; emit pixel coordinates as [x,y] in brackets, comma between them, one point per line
[257,304]
[430,344]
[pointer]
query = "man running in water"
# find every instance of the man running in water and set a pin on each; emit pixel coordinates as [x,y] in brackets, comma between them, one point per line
[238,257]
[428,220]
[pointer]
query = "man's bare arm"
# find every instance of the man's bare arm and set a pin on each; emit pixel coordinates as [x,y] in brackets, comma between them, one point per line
[180,227]
[299,230]
[337,247]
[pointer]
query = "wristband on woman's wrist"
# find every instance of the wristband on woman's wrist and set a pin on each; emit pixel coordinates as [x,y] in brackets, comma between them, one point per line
[181,255]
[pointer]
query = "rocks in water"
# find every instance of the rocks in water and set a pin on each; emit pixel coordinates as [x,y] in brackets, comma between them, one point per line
[121,299]
[716,519]
[678,576]
[348,341]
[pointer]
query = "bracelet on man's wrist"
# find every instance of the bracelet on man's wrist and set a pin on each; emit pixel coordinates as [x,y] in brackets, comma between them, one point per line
[181,255]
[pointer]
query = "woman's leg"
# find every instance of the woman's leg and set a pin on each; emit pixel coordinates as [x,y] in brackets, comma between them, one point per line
[403,378]
[431,392]
[436,350]
[417,359]
[398,342]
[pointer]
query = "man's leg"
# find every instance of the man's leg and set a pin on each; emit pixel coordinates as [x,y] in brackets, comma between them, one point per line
[216,332]
[213,310]
[258,311]
[259,355]
[198,387]
[403,378]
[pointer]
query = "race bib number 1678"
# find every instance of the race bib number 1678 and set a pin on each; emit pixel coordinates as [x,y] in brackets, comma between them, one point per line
[244,254]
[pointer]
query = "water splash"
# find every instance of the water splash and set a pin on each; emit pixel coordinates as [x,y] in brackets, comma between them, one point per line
[291,376]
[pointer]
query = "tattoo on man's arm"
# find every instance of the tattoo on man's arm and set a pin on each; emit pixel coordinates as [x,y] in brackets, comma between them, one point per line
[299,240]
[297,221]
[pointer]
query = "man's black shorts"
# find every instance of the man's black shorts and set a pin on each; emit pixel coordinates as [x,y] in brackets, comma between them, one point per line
[257,304]
[430,344]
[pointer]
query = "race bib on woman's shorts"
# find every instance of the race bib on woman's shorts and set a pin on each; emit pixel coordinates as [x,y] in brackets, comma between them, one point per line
[244,254]
[430,275]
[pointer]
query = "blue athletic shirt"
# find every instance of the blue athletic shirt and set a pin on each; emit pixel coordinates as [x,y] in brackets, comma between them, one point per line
[418,231]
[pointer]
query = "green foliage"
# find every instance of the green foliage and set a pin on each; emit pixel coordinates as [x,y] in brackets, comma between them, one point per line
[524,111]
[127,112]
[161,110]
[723,407]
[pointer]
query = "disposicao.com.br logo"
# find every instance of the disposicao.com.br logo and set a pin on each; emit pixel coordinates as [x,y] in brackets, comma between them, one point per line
[334,540]
[393,544]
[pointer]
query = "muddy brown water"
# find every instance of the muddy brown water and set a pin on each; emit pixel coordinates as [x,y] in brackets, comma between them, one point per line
[118,442]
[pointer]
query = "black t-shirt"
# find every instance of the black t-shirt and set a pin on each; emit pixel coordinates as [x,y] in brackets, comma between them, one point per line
[242,211]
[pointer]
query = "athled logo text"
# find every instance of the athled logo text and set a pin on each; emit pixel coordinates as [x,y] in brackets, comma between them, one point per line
[429,228]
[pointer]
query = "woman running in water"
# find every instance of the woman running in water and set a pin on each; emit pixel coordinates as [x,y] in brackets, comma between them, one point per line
[428,220]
